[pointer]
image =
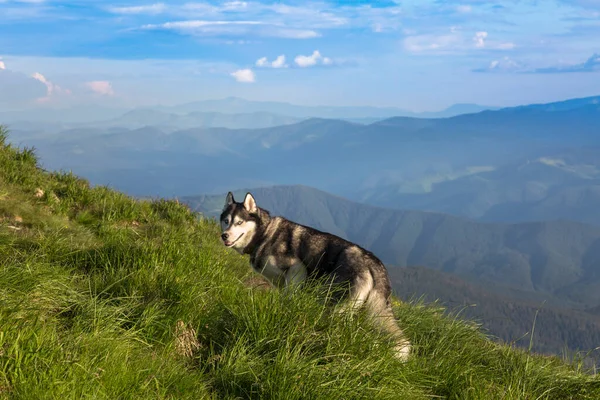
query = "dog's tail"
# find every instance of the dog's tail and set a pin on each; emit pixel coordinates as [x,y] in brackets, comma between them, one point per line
[379,307]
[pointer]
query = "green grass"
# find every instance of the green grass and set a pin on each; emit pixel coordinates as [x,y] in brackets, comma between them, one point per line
[93,284]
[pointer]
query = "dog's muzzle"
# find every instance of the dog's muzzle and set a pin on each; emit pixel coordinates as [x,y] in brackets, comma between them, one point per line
[226,242]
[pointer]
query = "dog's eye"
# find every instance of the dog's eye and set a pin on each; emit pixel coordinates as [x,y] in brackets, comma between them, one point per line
[239,222]
[226,221]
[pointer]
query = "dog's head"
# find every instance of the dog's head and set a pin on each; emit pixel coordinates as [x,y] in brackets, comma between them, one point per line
[239,222]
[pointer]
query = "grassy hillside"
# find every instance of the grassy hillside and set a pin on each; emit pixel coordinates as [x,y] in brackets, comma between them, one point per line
[102,296]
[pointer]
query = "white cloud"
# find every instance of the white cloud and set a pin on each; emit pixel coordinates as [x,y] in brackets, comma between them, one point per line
[312,60]
[288,33]
[279,62]
[244,75]
[197,24]
[51,88]
[479,39]
[424,43]
[2,65]
[235,5]
[101,87]
[308,61]
[205,9]
[49,85]
[453,42]
[505,46]
[156,8]
[308,15]
[464,9]
[504,64]
[40,78]
[299,21]
[262,62]
[233,28]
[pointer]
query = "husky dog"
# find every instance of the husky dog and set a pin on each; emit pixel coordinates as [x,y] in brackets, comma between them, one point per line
[287,253]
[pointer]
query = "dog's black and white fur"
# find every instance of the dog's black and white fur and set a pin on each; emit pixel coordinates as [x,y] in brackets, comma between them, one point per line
[287,253]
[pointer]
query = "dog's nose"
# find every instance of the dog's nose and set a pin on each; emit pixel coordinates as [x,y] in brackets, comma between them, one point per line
[224,236]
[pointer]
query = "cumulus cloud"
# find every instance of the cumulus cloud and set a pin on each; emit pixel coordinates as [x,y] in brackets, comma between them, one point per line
[479,39]
[308,61]
[51,88]
[279,62]
[42,78]
[2,65]
[262,62]
[312,60]
[101,87]
[244,75]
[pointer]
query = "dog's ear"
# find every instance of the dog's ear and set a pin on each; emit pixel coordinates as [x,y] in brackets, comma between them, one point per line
[250,204]
[229,200]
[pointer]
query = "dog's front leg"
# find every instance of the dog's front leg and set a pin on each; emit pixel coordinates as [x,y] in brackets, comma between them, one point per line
[295,275]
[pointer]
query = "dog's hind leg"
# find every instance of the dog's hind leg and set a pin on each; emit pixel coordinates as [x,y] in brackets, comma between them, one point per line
[358,294]
[381,312]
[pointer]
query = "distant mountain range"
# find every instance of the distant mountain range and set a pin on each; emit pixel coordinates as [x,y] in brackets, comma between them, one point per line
[230,112]
[211,109]
[564,105]
[556,260]
[518,164]
[140,118]
[238,105]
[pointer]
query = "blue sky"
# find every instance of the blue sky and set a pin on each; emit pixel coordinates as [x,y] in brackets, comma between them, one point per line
[418,55]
